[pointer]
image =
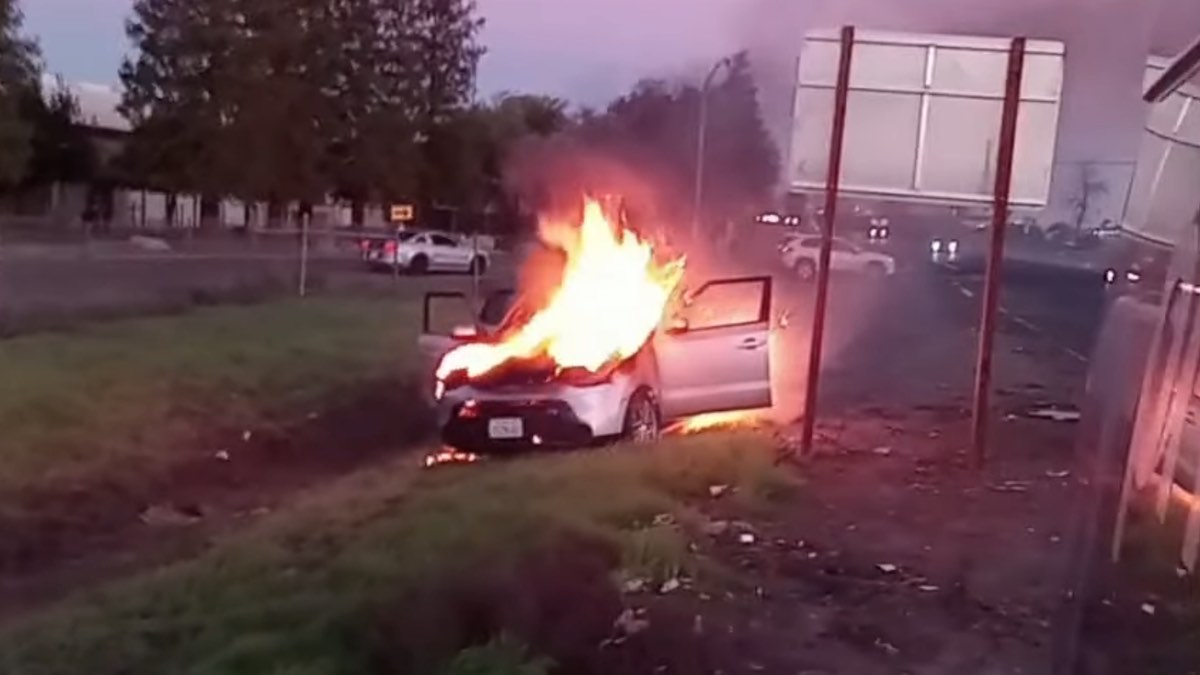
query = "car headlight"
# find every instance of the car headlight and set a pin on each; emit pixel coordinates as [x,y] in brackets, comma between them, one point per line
[952,247]
[1133,276]
[1110,276]
[936,246]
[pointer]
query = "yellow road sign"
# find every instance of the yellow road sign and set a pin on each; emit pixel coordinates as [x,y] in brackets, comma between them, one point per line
[401,213]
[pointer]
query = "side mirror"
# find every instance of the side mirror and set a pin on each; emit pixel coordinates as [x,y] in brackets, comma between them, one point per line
[464,331]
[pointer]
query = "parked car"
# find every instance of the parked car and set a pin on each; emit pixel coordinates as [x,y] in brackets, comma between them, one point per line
[418,252]
[724,324]
[801,254]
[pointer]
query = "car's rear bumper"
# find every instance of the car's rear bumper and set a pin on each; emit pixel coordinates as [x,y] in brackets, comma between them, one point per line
[545,424]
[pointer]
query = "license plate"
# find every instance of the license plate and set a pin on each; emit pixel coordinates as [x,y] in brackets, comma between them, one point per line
[506,428]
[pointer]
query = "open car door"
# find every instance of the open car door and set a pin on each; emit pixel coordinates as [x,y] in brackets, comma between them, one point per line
[448,319]
[715,355]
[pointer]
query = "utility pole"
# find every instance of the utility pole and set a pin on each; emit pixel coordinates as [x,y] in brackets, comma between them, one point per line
[701,141]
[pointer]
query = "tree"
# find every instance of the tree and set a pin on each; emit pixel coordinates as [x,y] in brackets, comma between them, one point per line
[444,33]
[742,164]
[648,137]
[61,150]
[20,70]
[296,99]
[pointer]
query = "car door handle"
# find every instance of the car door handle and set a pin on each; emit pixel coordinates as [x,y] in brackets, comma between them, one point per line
[751,344]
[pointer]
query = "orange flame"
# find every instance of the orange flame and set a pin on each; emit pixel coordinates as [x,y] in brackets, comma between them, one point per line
[610,301]
[736,419]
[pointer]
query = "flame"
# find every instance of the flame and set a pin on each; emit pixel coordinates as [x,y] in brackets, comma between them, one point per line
[609,302]
[735,419]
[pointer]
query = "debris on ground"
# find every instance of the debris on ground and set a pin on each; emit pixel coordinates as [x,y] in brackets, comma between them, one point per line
[1055,413]
[247,435]
[1149,609]
[715,528]
[630,622]
[882,451]
[716,491]
[670,585]
[1010,486]
[633,585]
[887,568]
[161,515]
[746,538]
[222,455]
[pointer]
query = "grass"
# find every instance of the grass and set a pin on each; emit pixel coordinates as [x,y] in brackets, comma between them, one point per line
[361,571]
[126,396]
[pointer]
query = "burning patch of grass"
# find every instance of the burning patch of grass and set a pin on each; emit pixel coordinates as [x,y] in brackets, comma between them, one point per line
[125,397]
[396,570]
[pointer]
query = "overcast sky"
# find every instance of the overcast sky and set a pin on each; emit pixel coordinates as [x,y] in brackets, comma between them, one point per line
[590,50]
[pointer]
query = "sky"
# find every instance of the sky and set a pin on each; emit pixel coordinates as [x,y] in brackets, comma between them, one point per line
[589,51]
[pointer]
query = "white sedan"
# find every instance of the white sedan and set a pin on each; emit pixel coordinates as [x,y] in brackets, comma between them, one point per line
[801,254]
[420,252]
[724,325]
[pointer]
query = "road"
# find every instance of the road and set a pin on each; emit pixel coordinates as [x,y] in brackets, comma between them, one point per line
[911,340]
[37,291]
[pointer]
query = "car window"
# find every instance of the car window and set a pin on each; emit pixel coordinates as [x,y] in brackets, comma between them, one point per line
[843,247]
[405,236]
[496,307]
[726,303]
[442,240]
[812,242]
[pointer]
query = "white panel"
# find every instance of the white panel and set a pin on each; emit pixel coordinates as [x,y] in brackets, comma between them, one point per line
[861,164]
[961,146]
[886,67]
[947,156]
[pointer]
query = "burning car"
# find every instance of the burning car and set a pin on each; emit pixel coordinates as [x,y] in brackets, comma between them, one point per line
[614,349]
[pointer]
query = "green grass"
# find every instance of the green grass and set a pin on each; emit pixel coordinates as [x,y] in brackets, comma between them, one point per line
[302,591]
[126,396]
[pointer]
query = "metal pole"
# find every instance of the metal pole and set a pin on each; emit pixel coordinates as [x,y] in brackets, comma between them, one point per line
[304,255]
[837,137]
[991,293]
[701,142]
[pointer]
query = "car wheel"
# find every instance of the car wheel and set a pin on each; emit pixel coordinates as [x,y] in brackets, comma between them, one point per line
[643,422]
[806,269]
[876,270]
[419,265]
[478,266]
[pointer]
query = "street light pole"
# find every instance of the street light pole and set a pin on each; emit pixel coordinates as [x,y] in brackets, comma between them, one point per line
[701,138]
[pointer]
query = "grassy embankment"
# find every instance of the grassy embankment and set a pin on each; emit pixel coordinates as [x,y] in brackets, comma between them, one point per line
[392,570]
[119,400]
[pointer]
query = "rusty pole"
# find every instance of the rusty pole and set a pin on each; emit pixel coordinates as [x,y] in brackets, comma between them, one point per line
[837,135]
[991,293]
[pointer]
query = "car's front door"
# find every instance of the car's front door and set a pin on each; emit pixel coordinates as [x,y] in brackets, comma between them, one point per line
[844,257]
[447,253]
[715,355]
[449,319]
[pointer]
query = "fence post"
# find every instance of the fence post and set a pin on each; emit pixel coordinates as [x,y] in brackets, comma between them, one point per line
[304,255]
[991,292]
[837,137]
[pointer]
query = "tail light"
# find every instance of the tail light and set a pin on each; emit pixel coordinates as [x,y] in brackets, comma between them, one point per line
[389,246]
[364,245]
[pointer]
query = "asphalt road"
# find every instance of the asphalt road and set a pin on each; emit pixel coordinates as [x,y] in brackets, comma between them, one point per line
[911,340]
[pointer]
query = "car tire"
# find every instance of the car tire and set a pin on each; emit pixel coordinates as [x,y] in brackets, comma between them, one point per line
[419,265]
[806,269]
[478,266]
[876,270]
[643,421]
